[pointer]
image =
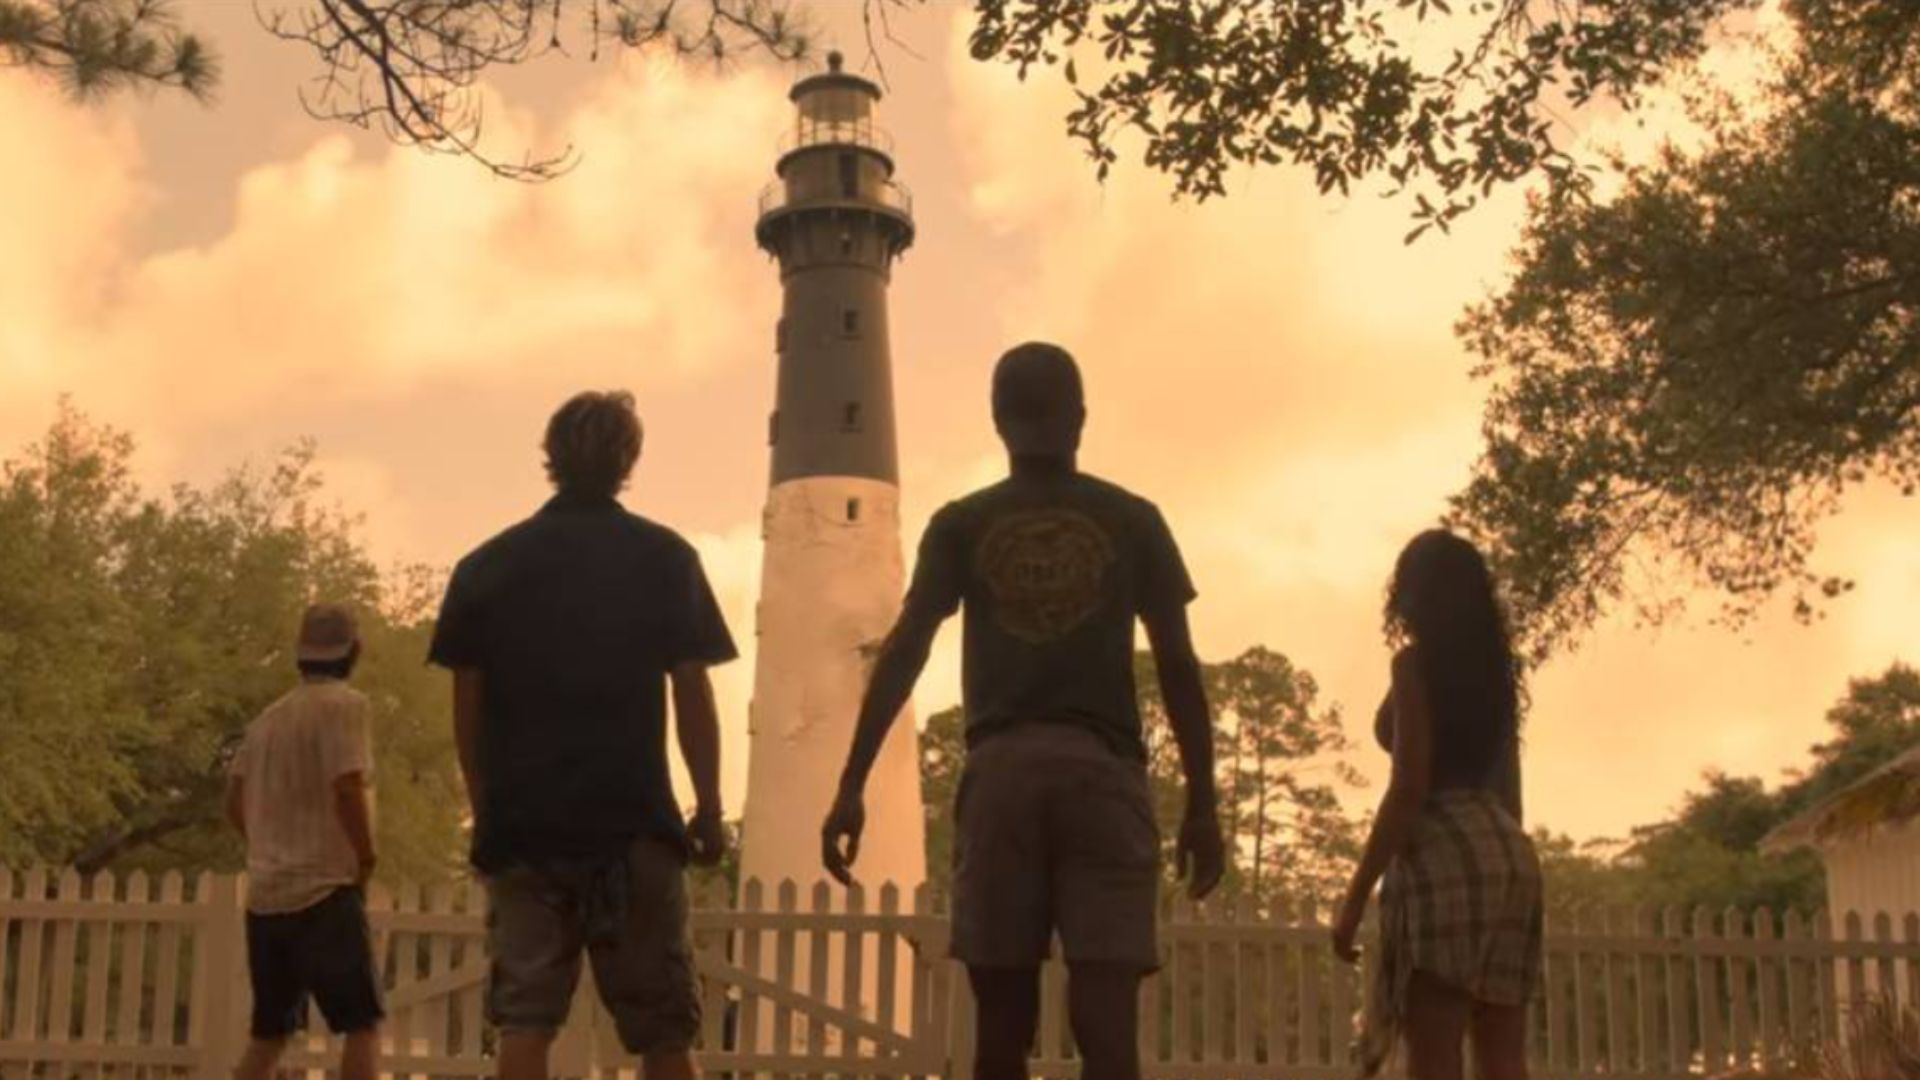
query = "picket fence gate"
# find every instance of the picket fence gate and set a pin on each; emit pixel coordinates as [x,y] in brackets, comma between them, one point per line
[106,978]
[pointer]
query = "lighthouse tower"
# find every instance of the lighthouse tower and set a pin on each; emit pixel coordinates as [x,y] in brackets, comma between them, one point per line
[832,575]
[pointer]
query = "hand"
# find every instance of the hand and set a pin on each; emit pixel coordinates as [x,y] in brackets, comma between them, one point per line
[840,836]
[706,837]
[1200,856]
[1347,927]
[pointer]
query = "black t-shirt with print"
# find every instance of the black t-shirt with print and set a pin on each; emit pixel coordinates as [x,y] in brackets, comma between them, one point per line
[574,618]
[1053,571]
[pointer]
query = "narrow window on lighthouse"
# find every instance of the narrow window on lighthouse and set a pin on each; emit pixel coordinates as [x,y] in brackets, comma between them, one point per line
[850,322]
[849,177]
[780,336]
[850,420]
[853,509]
[773,427]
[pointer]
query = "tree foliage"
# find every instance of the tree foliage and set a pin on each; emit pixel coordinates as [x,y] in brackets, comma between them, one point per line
[1686,378]
[1350,90]
[94,47]
[1279,772]
[411,68]
[139,634]
[1707,854]
[408,68]
[1347,89]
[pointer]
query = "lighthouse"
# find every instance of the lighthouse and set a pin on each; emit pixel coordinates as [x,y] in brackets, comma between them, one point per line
[834,221]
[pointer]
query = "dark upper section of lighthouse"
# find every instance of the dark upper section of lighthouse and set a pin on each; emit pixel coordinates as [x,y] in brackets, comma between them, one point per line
[835,165]
[836,220]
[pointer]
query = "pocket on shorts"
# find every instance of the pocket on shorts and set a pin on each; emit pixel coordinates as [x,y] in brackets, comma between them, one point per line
[1135,792]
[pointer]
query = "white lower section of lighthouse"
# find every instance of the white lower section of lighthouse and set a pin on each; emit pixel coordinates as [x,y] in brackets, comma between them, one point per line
[830,590]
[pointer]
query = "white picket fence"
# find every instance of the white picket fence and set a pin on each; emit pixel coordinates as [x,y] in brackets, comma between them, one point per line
[103,978]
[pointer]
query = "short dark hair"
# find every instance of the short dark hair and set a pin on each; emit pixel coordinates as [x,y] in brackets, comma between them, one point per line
[1037,379]
[331,669]
[1039,403]
[592,442]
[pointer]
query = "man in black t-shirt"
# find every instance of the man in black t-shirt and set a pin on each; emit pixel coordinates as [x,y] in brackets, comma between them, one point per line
[1055,830]
[563,634]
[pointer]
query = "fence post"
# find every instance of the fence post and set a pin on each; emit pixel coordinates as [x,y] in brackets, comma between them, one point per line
[220,1000]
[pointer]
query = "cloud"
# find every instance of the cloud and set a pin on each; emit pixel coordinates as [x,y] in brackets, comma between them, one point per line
[354,275]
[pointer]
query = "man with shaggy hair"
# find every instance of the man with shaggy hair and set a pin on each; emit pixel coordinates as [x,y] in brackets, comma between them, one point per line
[564,634]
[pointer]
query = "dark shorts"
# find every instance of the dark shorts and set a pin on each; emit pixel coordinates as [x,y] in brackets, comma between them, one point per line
[541,919]
[1054,833]
[324,952]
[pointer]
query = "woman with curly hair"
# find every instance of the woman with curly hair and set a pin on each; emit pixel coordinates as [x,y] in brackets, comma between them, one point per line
[1460,898]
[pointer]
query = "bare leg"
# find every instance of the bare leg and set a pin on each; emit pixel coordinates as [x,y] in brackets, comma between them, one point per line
[523,1054]
[669,1065]
[260,1058]
[1007,1002]
[1103,1004]
[1500,1041]
[360,1055]
[1436,1028]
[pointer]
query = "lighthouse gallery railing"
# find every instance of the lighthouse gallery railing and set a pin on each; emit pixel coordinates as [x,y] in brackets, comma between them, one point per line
[891,195]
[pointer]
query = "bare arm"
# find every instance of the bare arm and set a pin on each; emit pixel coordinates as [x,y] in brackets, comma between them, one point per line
[902,657]
[350,803]
[1200,853]
[697,723]
[237,805]
[466,731]
[1186,699]
[1406,793]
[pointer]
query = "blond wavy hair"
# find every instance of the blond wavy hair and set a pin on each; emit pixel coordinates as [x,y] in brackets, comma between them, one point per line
[593,442]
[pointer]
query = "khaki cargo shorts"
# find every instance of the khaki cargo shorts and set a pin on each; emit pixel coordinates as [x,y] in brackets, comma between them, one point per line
[1054,832]
[540,920]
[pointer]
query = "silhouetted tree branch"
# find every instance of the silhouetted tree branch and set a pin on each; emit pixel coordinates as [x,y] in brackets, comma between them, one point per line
[1685,379]
[411,67]
[1337,86]
[94,47]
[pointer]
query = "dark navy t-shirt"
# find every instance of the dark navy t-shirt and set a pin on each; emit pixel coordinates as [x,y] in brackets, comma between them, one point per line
[574,618]
[1053,571]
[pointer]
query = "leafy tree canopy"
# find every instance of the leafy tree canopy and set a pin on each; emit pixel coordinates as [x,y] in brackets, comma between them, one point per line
[1708,854]
[1686,377]
[140,633]
[1348,90]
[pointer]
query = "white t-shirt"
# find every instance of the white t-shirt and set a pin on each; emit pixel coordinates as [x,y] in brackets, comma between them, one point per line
[297,850]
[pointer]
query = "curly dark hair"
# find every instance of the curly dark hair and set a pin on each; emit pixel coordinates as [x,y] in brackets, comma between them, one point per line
[1443,604]
[592,443]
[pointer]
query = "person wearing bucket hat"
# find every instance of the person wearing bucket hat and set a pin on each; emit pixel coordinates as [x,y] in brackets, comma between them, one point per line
[297,792]
[1054,824]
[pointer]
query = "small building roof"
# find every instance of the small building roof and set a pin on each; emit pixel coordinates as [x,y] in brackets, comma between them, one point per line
[1889,795]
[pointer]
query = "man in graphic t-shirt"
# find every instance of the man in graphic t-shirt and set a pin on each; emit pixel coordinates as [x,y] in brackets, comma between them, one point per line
[1055,830]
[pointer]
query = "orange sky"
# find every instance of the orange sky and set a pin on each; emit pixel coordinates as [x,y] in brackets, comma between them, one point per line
[1274,369]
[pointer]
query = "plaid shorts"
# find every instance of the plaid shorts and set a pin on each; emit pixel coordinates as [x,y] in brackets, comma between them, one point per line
[1461,903]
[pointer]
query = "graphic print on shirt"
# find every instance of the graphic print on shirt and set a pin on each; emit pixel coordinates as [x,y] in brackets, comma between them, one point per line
[1046,570]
